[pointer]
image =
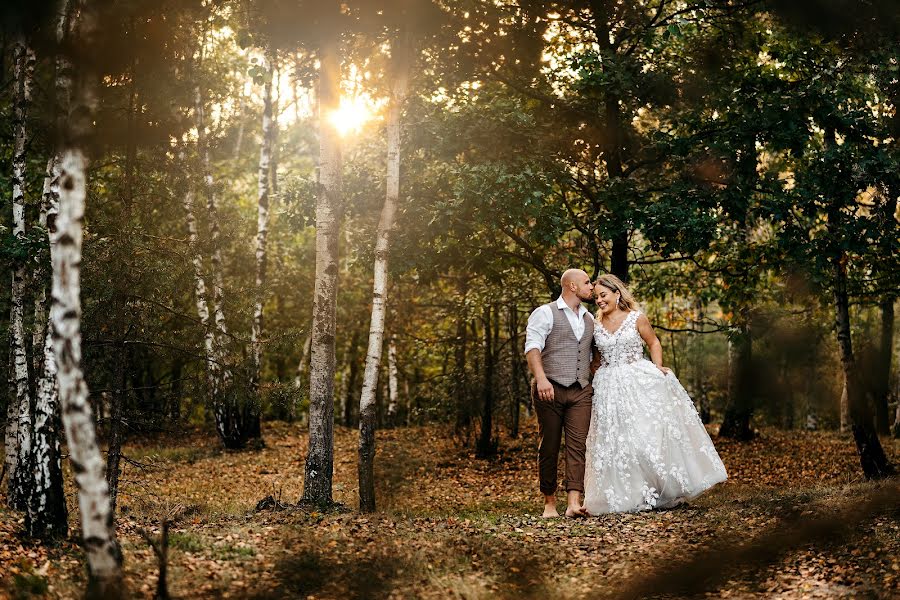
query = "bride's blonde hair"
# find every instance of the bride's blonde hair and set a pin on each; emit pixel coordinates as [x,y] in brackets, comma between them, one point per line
[614,284]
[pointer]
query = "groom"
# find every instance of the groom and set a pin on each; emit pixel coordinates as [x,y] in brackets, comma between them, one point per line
[558,344]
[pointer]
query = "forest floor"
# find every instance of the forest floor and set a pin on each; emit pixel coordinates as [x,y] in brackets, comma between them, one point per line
[794,520]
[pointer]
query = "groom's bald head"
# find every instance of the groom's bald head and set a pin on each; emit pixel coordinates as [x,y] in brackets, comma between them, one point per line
[575,283]
[576,276]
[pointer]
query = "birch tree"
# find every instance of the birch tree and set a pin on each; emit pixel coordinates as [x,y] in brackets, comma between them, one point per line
[104,556]
[318,472]
[393,389]
[262,225]
[47,514]
[19,466]
[212,209]
[216,378]
[379,289]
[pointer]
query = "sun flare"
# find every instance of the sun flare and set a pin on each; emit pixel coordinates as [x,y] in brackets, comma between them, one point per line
[352,114]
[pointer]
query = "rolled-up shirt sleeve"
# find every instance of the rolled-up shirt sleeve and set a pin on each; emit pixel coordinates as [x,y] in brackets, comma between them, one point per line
[539,325]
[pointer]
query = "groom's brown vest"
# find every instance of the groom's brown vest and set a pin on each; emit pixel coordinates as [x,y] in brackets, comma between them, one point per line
[565,358]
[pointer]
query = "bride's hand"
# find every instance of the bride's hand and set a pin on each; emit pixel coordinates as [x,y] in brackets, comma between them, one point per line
[665,370]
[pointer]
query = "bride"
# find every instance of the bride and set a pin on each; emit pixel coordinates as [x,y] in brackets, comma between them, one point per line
[646,446]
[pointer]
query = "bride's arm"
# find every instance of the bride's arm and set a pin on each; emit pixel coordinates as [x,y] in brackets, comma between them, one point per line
[596,359]
[649,337]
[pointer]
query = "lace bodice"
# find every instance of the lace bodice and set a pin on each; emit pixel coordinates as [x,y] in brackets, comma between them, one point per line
[623,346]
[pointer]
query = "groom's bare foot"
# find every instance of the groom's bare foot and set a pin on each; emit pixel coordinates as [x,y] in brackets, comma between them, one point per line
[550,507]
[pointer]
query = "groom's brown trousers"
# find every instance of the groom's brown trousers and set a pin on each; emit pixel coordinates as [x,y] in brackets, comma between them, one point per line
[570,410]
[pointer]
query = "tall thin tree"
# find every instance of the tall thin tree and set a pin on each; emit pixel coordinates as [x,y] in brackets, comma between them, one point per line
[104,556]
[319,470]
[20,473]
[262,224]
[47,514]
[400,60]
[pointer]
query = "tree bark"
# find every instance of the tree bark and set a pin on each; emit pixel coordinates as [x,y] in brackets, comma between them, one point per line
[486,445]
[98,528]
[319,469]
[262,230]
[47,516]
[883,377]
[209,190]
[741,379]
[514,370]
[460,385]
[215,371]
[739,411]
[352,379]
[393,383]
[379,291]
[114,450]
[874,463]
[20,478]
[844,406]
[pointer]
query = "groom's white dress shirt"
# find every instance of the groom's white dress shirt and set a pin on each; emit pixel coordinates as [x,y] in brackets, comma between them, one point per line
[541,322]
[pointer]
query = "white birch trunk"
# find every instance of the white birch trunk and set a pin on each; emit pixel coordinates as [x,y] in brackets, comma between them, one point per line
[98,530]
[276,112]
[213,367]
[379,292]
[262,230]
[213,215]
[104,557]
[319,468]
[229,417]
[303,366]
[20,475]
[393,391]
[47,514]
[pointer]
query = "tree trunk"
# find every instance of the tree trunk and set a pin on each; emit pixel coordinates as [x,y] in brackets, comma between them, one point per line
[739,411]
[352,379]
[47,515]
[741,379]
[103,553]
[379,291]
[486,445]
[874,463]
[514,370]
[215,371]
[844,407]
[98,527]
[20,467]
[212,210]
[303,365]
[262,229]
[273,142]
[114,451]
[317,482]
[459,384]
[393,391]
[883,378]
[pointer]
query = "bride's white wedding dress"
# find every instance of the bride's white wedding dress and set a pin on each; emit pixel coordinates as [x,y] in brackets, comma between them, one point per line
[646,446]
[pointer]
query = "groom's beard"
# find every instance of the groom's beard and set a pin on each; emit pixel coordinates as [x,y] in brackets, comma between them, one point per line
[589,298]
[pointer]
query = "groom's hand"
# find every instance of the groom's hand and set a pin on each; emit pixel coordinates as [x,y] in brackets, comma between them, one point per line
[544,389]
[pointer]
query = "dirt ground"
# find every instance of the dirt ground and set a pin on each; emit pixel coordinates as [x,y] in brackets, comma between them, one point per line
[794,520]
